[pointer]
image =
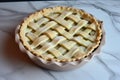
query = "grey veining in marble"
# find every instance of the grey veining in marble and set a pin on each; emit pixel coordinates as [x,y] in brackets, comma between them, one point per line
[15,65]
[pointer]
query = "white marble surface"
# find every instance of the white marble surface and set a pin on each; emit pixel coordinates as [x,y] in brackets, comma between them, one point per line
[14,65]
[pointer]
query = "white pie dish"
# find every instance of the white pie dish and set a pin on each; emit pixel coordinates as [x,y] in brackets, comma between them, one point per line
[60,38]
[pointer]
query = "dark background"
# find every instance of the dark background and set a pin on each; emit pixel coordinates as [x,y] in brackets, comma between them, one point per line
[29,0]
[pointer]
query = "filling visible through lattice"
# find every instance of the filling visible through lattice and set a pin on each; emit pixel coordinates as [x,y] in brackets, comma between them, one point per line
[61,35]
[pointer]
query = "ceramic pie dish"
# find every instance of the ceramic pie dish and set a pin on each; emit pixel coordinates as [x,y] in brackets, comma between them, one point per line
[60,38]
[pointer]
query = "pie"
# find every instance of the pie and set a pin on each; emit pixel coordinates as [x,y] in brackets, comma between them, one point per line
[61,33]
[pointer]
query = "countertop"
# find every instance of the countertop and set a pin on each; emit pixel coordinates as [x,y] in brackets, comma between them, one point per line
[15,65]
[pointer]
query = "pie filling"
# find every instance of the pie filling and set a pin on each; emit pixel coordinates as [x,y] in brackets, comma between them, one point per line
[61,33]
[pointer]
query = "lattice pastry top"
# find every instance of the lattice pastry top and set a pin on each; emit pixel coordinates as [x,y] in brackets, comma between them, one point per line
[61,33]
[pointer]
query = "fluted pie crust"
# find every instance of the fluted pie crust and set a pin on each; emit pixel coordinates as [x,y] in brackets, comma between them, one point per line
[62,34]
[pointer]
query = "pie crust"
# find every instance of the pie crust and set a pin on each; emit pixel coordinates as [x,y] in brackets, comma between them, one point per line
[63,34]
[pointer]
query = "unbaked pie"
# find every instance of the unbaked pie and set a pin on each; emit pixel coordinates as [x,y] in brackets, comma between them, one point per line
[61,34]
